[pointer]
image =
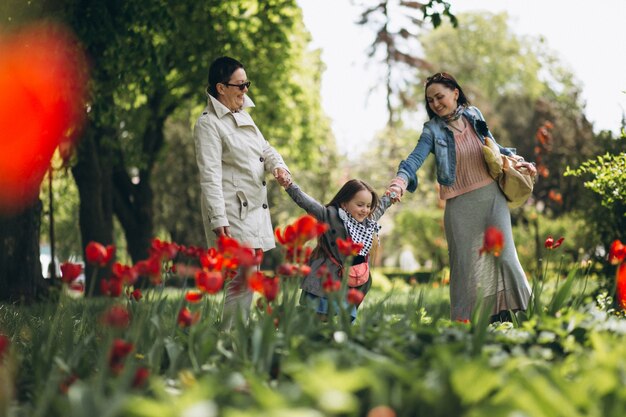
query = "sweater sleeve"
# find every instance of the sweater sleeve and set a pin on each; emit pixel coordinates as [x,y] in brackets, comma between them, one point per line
[308,203]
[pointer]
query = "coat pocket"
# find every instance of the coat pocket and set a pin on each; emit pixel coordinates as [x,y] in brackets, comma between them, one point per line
[243,204]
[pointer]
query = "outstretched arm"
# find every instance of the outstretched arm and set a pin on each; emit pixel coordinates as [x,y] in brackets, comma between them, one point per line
[305,201]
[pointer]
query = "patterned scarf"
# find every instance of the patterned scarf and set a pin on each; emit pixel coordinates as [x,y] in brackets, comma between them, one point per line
[360,232]
[455,115]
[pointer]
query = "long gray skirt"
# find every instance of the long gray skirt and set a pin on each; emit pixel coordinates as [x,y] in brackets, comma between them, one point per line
[501,281]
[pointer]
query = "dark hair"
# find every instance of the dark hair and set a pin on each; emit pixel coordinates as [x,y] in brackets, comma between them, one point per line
[448,80]
[220,71]
[349,190]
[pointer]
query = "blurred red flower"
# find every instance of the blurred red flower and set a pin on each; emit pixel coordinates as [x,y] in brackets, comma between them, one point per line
[150,268]
[186,318]
[551,244]
[126,273]
[112,287]
[354,296]
[288,269]
[237,253]
[348,247]
[620,286]
[617,252]
[136,294]
[493,241]
[141,376]
[119,350]
[301,231]
[97,254]
[271,287]
[255,281]
[193,296]
[210,282]
[5,342]
[43,79]
[331,285]
[163,250]
[212,260]
[70,271]
[116,316]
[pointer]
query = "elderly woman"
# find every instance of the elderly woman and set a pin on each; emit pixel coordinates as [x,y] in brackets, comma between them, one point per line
[233,158]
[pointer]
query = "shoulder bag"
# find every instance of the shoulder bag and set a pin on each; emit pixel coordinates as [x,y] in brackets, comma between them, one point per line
[515,182]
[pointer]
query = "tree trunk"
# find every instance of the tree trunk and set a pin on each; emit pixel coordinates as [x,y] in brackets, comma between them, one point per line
[21,279]
[92,174]
[133,197]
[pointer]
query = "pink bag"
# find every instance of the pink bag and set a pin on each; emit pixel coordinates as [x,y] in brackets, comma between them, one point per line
[358,274]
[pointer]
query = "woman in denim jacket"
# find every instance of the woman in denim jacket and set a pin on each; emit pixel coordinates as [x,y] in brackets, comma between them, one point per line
[455,135]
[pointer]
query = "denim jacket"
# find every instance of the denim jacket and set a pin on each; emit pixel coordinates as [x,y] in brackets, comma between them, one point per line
[438,138]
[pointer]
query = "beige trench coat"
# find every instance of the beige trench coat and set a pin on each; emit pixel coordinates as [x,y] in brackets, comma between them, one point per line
[233,158]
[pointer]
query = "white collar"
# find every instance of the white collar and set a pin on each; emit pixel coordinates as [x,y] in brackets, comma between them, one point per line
[221,109]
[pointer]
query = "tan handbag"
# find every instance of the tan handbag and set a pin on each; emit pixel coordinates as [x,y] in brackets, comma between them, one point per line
[515,182]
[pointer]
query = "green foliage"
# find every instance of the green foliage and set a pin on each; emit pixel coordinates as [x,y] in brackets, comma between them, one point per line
[608,180]
[484,55]
[299,365]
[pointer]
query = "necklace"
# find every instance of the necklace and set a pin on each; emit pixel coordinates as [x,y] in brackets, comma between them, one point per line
[456,128]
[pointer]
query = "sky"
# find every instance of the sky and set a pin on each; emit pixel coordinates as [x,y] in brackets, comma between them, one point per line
[588,37]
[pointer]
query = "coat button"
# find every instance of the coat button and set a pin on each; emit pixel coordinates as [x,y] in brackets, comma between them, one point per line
[204,113]
[333,231]
[264,205]
[264,183]
[245,204]
[261,159]
[332,243]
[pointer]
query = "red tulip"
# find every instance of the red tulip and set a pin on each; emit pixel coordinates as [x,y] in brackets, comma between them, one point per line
[125,273]
[551,244]
[271,286]
[116,316]
[493,241]
[288,269]
[301,231]
[163,250]
[186,318]
[348,247]
[212,260]
[331,285]
[255,282]
[141,376]
[209,282]
[193,296]
[620,281]
[354,296]
[43,79]
[150,268]
[113,287]
[5,343]
[136,294]
[617,252]
[70,271]
[97,254]
[119,350]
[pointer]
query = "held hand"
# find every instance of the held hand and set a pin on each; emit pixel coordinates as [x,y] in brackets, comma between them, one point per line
[222,231]
[394,192]
[283,177]
[532,170]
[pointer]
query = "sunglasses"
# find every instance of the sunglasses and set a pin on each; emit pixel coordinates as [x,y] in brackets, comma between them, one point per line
[240,86]
[440,76]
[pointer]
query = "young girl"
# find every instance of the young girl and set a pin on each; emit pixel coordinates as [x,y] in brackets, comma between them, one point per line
[352,213]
